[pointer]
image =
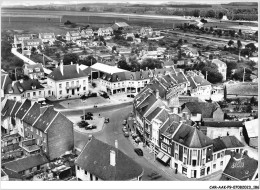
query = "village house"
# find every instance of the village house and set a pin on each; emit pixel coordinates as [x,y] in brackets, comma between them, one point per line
[23,167]
[215,129]
[105,163]
[203,111]
[28,88]
[72,36]
[34,71]
[29,44]
[67,81]
[86,33]
[222,68]
[120,26]
[18,39]
[105,31]
[146,31]
[47,37]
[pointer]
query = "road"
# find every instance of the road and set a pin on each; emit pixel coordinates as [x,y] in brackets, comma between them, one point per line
[113,131]
[50,13]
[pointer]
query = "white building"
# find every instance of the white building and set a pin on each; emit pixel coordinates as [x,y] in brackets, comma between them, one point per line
[105,31]
[72,35]
[99,161]
[47,37]
[68,81]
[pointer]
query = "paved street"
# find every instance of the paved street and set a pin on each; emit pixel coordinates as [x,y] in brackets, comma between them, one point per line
[113,131]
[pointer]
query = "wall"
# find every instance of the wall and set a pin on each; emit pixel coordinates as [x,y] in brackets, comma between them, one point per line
[60,137]
[80,173]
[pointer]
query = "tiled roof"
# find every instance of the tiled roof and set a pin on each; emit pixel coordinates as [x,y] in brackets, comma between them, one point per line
[15,88]
[23,109]
[28,84]
[218,145]
[200,81]
[191,137]
[95,159]
[231,142]
[23,164]
[69,72]
[122,24]
[223,123]
[33,114]
[171,129]
[43,35]
[153,114]
[246,167]
[204,108]
[146,104]
[9,105]
[243,89]
[45,119]
[180,77]
[16,107]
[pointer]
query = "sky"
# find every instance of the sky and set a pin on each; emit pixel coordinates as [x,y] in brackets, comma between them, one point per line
[41,2]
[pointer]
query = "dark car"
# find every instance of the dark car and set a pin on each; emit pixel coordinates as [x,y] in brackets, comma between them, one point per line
[139,151]
[87,117]
[107,120]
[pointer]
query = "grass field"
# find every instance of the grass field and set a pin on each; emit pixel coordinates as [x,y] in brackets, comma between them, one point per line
[37,25]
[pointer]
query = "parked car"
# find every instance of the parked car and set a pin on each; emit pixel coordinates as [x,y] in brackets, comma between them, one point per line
[107,120]
[154,175]
[126,134]
[124,129]
[89,127]
[137,139]
[87,117]
[94,94]
[139,151]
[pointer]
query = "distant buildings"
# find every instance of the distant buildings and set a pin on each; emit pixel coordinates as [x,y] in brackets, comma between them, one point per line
[34,71]
[47,37]
[18,39]
[105,31]
[99,161]
[30,43]
[72,36]
[120,25]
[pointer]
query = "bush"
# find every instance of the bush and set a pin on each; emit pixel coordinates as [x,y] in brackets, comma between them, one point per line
[94,85]
[82,124]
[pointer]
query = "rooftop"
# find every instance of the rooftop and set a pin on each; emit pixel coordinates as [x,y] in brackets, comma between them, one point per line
[252,128]
[107,69]
[97,162]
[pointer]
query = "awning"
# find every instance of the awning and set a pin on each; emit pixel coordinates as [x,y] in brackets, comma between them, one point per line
[165,158]
[160,155]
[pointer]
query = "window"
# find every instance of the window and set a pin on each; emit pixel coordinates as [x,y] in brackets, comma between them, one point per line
[169,150]
[202,172]
[67,84]
[84,82]
[36,131]
[60,92]
[203,161]
[215,157]
[40,93]
[177,147]
[185,150]
[78,168]
[176,156]
[194,153]
[214,166]
[204,151]
[49,92]
[44,139]
[221,163]
[164,147]
[28,95]
[185,160]
[68,91]
[84,88]
[184,170]
[34,93]
[31,128]
[60,85]
[86,173]
[77,83]
[40,133]
[194,162]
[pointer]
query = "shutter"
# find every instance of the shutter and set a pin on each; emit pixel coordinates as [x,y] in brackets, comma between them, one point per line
[198,163]
[188,158]
[173,148]
[180,152]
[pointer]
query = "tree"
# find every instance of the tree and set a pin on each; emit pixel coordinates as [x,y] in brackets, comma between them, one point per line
[151,64]
[17,62]
[230,42]
[253,100]
[220,15]
[122,64]
[180,42]
[213,75]
[196,13]
[210,14]
[239,73]
[88,61]
[57,55]
[70,57]
[67,22]
[251,48]
[33,50]
[113,48]
[6,49]
[129,38]
[83,9]
[230,67]
[239,46]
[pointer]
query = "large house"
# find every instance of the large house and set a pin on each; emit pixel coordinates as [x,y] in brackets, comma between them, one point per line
[33,71]
[120,25]
[68,81]
[18,39]
[222,68]
[146,31]
[72,35]
[87,33]
[27,88]
[45,129]
[30,43]
[105,31]
[99,161]
[47,37]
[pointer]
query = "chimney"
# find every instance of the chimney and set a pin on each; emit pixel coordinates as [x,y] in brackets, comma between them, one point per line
[146,68]
[112,158]
[157,94]
[71,63]
[61,67]
[116,143]
[77,68]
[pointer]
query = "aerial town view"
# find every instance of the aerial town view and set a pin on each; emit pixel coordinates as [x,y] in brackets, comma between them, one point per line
[130,91]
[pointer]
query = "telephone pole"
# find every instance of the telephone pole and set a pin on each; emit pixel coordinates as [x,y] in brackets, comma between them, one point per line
[244,74]
[206,75]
